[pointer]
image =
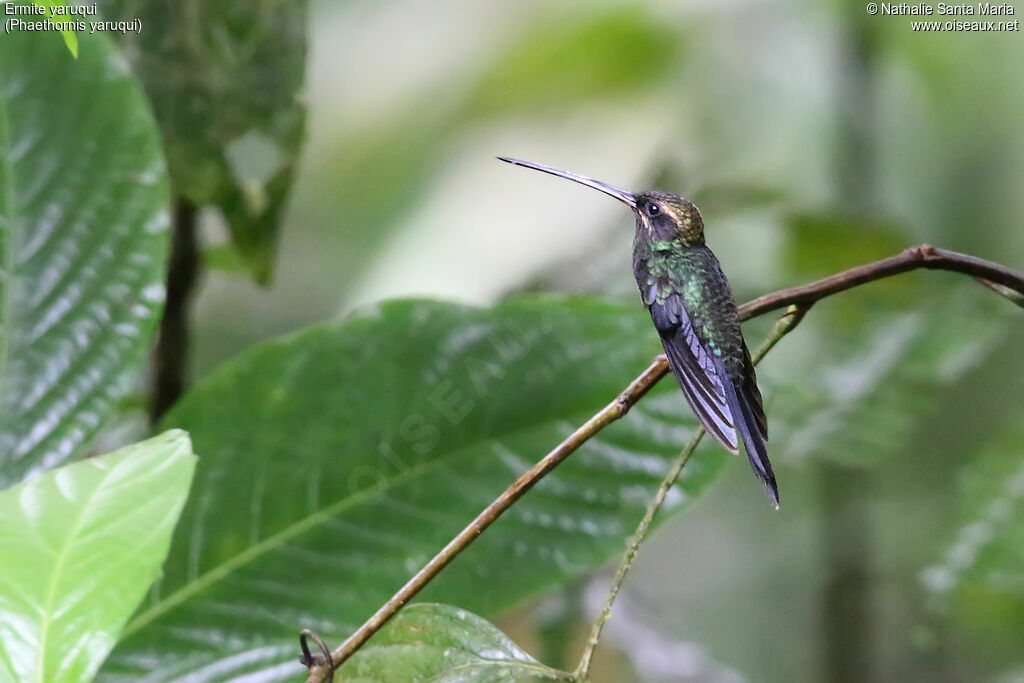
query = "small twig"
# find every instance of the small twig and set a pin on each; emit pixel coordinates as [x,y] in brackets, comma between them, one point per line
[782,327]
[583,668]
[804,296]
[1004,291]
[321,663]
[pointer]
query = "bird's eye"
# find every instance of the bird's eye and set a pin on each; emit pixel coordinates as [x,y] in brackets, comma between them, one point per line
[652,209]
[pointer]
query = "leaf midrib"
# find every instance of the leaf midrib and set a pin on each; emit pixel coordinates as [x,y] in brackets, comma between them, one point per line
[312,520]
[58,569]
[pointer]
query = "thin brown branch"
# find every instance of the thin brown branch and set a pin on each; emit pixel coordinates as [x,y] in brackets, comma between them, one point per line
[913,258]
[803,296]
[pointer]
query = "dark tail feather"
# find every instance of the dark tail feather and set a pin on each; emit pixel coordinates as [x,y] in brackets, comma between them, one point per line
[753,442]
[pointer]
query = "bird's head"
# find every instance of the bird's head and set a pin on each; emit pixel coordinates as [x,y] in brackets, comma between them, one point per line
[666,216]
[660,216]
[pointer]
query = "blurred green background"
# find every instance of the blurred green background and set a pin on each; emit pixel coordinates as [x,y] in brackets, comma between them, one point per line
[813,137]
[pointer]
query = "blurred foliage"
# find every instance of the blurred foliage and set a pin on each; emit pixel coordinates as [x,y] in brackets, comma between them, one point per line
[224,80]
[867,396]
[884,354]
[80,551]
[602,54]
[83,240]
[987,549]
[827,240]
[377,174]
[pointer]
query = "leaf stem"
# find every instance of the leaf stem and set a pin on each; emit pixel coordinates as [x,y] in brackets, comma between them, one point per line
[803,297]
[782,327]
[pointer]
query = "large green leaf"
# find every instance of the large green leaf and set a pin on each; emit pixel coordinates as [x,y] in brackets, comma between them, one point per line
[443,644]
[340,459]
[224,79]
[83,241]
[79,547]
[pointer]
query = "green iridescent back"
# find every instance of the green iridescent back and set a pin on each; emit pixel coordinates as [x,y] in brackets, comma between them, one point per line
[664,268]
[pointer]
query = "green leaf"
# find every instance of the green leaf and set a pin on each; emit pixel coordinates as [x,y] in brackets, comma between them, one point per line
[443,644]
[223,257]
[70,39]
[338,460]
[83,243]
[79,546]
[224,80]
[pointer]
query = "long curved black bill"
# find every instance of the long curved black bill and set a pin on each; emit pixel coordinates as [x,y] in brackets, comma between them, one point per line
[626,198]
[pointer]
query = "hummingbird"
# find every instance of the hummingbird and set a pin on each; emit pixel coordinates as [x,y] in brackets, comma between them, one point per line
[692,306]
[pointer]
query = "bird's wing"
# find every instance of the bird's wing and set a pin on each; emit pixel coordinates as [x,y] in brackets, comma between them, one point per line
[698,372]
